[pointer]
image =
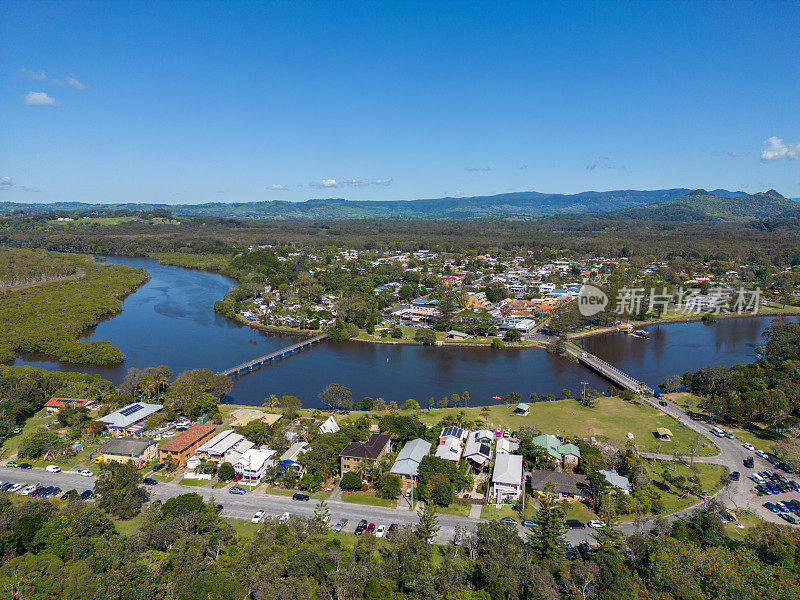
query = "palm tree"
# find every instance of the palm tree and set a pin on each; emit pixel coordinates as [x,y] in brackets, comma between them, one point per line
[272,401]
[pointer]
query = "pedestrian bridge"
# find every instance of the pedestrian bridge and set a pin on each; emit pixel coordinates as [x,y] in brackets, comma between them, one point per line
[259,362]
[610,372]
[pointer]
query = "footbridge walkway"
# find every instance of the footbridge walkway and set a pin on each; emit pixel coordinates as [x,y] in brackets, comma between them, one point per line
[259,362]
[609,371]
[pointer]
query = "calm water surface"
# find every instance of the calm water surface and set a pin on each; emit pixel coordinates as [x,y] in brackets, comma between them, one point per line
[170,320]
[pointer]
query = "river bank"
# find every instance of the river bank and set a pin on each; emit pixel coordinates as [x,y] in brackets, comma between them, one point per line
[768,312]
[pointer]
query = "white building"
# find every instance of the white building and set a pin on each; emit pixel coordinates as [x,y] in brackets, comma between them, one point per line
[253,464]
[450,449]
[507,477]
[329,426]
[226,446]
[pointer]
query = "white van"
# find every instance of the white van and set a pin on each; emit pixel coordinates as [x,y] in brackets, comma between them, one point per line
[53,469]
[717,432]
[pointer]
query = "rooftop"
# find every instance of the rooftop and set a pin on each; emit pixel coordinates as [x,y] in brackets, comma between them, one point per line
[187,438]
[126,446]
[128,415]
[369,449]
[508,469]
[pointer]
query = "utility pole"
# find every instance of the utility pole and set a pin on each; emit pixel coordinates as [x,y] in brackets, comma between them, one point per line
[584,384]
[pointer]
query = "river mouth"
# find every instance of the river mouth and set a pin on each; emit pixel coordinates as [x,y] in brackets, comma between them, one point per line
[170,321]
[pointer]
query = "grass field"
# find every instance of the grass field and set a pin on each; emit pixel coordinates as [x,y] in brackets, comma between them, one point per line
[367,498]
[194,482]
[611,418]
[738,529]
[710,476]
[458,510]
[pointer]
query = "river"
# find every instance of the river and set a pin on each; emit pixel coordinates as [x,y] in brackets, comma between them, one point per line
[170,320]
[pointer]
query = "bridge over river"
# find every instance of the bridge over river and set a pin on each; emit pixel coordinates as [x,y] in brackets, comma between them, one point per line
[609,371]
[259,362]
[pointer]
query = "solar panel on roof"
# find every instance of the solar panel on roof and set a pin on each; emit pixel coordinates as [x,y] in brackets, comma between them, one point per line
[485,449]
[129,410]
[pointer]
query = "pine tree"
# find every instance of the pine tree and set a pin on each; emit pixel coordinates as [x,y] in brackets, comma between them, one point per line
[321,515]
[547,539]
[428,525]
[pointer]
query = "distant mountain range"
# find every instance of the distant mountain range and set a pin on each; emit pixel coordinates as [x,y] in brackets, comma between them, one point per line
[518,204]
[701,205]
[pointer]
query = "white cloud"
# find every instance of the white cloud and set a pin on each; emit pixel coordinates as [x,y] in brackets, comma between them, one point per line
[74,83]
[387,181]
[737,154]
[356,182]
[38,99]
[6,183]
[25,188]
[477,169]
[277,187]
[40,76]
[775,149]
[326,183]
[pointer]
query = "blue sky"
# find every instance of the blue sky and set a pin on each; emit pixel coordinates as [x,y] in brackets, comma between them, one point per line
[219,102]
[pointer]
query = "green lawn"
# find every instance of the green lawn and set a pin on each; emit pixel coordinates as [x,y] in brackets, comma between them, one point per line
[737,530]
[367,498]
[490,511]
[458,510]
[674,499]
[578,510]
[194,482]
[130,526]
[11,445]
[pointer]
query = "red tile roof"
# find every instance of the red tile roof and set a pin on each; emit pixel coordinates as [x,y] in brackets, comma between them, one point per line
[62,402]
[183,441]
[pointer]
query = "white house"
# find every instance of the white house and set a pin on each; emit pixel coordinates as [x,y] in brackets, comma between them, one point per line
[226,446]
[253,464]
[329,426]
[450,449]
[507,477]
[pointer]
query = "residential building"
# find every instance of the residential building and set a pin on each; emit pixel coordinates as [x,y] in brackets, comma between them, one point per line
[616,480]
[406,466]
[123,450]
[291,458]
[374,449]
[478,448]
[568,486]
[253,464]
[566,455]
[449,449]
[54,405]
[130,419]
[453,431]
[182,446]
[505,446]
[226,446]
[507,477]
[329,426]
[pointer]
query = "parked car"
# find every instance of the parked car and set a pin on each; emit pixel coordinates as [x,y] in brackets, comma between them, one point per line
[15,488]
[761,453]
[595,524]
[509,520]
[85,473]
[339,525]
[361,527]
[301,496]
[29,489]
[149,481]
[85,494]
[529,523]
[735,476]
[258,517]
[748,446]
[391,530]
[662,403]
[5,487]
[237,477]
[54,492]
[239,491]
[380,531]
[370,528]
[25,466]
[285,517]
[770,506]
[786,516]
[158,467]
[53,469]
[748,462]
[575,524]
[65,496]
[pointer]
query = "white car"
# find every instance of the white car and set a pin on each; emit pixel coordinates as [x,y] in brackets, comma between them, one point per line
[85,473]
[380,531]
[15,488]
[53,469]
[596,524]
[761,453]
[285,517]
[748,446]
[29,490]
[258,517]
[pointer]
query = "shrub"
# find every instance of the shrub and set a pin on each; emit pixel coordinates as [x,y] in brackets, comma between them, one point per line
[226,471]
[351,481]
[389,486]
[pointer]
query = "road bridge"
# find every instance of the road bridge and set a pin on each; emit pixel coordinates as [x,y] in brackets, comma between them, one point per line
[257,363]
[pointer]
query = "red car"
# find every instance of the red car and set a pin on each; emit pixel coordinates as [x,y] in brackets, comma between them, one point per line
[237,477]
[370,529]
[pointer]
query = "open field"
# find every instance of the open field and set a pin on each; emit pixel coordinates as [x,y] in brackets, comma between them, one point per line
[367,498]
[745,520]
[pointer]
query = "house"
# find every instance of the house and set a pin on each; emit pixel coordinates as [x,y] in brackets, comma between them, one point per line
[478,448]
[566,455]
[129,420]
[291,458]
[374,449]
[123,450]
[449,449]
[406,465]
[505,446]
[54,405]
[182,446]
[253,464]
[507,477]
[569,486]
[329,426]
[616,480]
[453,431]
[454,334]
[522,409]
[226,446]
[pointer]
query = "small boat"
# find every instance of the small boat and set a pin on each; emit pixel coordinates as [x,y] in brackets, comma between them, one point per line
[496,398]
